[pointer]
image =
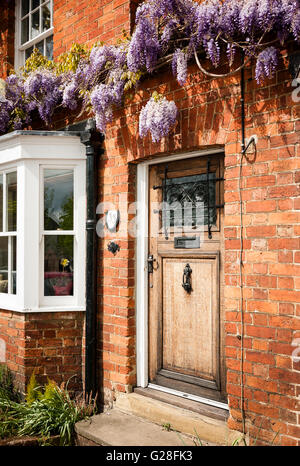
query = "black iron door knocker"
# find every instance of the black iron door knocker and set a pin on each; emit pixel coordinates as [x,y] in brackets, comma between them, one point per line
[186,279]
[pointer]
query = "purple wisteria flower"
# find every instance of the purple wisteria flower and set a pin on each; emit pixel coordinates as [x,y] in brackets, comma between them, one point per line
[296,25]
[157,117]
[144,47]
[6,108]
[43,88]
[179,66]
[229,15]
[70,94]
[103,98]
[230,52]
[266,64]
[213,51]
[14,108]
[104,58]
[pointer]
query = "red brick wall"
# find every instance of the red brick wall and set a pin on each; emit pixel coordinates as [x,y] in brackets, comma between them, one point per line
[210,115]
[12,332]
[7,30]
[87,22]
[49,343]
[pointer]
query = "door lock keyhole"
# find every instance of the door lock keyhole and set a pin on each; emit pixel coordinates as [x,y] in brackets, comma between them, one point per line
[150,262]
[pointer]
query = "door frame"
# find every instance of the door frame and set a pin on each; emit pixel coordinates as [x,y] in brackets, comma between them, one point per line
[141,274]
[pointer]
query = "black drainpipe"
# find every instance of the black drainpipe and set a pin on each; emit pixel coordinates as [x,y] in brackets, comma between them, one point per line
[93,147]
[90,319]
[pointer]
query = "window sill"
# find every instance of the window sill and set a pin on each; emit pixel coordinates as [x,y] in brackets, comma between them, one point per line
[43,309]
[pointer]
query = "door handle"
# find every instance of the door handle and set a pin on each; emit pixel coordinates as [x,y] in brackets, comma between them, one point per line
[186,279]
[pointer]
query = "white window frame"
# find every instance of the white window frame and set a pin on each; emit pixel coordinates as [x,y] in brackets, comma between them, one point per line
[19,47]
[5,170]
[53,301]
[30,152]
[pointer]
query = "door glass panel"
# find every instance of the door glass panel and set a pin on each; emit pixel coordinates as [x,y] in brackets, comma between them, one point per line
[11,179]
[188,199]
[3,264]
[58,199]
[58,265]
[25,30]
[35,24]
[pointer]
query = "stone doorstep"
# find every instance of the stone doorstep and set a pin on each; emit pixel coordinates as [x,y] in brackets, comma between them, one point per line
[203,425]
[138,420]
[116,428]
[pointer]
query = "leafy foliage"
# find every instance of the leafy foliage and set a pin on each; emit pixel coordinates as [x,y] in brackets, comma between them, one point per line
[7,388]
[44,413]
[33,390]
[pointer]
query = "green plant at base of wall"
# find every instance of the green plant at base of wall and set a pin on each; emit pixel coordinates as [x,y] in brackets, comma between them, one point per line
[47,412]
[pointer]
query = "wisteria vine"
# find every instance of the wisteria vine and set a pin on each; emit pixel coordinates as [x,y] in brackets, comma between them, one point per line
[166,32]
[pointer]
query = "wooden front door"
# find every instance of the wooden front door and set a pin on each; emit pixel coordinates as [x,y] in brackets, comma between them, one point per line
[185,276]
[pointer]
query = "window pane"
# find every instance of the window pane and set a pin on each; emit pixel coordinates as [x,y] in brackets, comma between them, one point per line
[49,47]
[58,265]
[1,202]
[40,47]
[11,180]
[13,264]
[25,7]
[35,24]
[3,264]
[58,199]
[28,52]
[25,30]
[35,4]
[46,16]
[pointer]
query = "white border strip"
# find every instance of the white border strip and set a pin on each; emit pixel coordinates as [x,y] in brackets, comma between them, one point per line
[142,276]
[207,401]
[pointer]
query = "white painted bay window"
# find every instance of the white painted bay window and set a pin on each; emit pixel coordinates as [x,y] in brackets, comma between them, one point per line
[42,221]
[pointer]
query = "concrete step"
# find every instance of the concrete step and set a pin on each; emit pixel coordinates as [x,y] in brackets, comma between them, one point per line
[116,428]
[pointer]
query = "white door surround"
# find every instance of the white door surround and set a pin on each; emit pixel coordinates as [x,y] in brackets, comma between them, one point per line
[141,267]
